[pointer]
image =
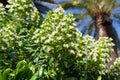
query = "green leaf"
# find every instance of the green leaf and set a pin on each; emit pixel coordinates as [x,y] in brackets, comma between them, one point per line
[6,73]
[99,78]
[35,76]
[20,43]
[1,76]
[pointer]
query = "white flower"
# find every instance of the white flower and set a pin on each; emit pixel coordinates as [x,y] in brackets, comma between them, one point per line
[35,36]
[74,24]
[43,38]
[10,32]
[72,44]
[76,46]
[60,10]
[58,27]
[71,27]
[47,48]
[59,38]
[72,51]
[54,32]
[65,45]
[11,10]
[20,7]
[11,38]
[79,54]
[48,28]
[63,23]
[47,41]
[3,48]
[42,26]
[94,58]
[36,41]
[41,31]
[36,31]
[69,35]
[63,29]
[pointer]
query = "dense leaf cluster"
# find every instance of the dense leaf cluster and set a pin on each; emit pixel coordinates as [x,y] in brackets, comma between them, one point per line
[15,26]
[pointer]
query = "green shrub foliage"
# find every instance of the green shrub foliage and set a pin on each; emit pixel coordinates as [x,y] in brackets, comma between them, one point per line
[50,50]
[15,29]
[63,53]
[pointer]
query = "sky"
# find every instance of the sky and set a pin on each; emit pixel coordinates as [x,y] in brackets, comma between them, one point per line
[59,1]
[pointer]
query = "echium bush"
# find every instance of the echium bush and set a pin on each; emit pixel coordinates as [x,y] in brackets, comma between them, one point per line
[63,53]
[23,11]
[16,23]
[1,11]
[113,73]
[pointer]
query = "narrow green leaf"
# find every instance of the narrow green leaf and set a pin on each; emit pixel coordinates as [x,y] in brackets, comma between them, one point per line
[99,78]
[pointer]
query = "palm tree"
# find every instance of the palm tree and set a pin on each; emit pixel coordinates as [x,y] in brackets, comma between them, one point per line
[99,10]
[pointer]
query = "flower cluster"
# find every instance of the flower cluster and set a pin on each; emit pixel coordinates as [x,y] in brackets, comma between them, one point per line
[8,37]
[16,26]
[2,10]
[22,11]
[56,29]
[20,17]
[115,69]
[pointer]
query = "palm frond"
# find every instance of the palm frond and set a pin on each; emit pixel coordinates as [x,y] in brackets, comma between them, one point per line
[96,6]
[91,28]
[49,1]
[41,8]
[81,16]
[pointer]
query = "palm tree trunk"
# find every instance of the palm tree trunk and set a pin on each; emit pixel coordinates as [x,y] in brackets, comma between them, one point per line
[104,28]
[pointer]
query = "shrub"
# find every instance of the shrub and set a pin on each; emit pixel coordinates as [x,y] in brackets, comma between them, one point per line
[16,25]
[63,53]
[51,50]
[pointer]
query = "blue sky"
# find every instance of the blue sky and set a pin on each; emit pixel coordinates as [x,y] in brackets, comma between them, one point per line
[117,27]
[59,1]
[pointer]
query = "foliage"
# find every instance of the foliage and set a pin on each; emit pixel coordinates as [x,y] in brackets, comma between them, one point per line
[23,71]
[114,71]
[53,50]
[63,53]
[15,24]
